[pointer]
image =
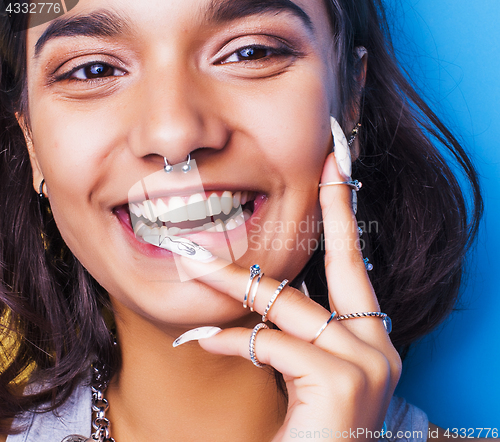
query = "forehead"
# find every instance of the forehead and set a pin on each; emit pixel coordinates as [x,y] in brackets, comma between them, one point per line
[108,18]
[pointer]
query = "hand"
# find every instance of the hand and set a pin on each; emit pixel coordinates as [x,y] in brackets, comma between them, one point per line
[345,379]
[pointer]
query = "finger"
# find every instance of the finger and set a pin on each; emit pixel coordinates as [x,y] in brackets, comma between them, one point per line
[292,312]
[349,287]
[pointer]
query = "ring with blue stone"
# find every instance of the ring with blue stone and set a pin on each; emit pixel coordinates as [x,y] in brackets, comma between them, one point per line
[255,270]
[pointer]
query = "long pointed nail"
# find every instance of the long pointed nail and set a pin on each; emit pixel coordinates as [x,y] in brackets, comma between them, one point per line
[181,246]
[195,334]
[341,148]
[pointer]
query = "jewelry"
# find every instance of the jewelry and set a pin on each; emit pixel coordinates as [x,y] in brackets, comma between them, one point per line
[255,287]
[354,134]
[41,193]
[169,167]
[254,271]
[100,406]
[385,319]
[368,264]
[354,184]
[273,298]
[251,345]
[322,329]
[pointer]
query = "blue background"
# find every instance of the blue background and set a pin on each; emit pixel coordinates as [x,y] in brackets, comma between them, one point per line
[451,49]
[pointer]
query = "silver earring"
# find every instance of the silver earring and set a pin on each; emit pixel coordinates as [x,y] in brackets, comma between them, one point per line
[169,167]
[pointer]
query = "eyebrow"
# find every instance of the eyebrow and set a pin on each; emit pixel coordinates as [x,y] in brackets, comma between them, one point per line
[109,24]
[221,11]
[95,24]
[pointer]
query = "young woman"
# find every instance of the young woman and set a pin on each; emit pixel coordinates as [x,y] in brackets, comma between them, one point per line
[150,154]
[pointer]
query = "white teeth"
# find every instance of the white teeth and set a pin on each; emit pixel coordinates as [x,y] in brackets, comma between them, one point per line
[196,207]
[162,211]
[239,219]
[226,202]
[177,210]
[219,226]
[236,200]
[134,208]
[164,231]
[140,228]
[247,215]
[244,197]
[149,210]
[213,205]
[231,224]
[208,226]
[174,231]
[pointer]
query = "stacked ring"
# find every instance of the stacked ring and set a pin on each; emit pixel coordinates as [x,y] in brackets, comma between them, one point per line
[255,287]
[254,271]
[322,329]
[273,298]
[251,345]
[385,319]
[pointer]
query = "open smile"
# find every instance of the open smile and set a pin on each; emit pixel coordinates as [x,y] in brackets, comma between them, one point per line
[184,215]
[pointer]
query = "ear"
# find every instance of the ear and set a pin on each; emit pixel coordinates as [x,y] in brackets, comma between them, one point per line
[35,166]
[361,63]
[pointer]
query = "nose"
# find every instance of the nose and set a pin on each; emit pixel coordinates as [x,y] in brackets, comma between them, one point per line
[174,115]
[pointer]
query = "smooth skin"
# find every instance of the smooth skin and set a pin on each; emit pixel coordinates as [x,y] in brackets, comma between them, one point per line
[175,82]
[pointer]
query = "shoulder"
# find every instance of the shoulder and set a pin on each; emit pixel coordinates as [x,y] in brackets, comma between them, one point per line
[73,417]
[405,421]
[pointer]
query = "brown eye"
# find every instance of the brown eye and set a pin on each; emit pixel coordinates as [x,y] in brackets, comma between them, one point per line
[250,53]
[96,70]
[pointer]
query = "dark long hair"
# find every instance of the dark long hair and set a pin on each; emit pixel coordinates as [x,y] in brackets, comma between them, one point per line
[51,309]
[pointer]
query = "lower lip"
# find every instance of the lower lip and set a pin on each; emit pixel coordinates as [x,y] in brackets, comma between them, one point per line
[212,241]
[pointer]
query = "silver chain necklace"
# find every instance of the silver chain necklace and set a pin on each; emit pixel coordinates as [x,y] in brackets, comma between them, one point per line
[100,406]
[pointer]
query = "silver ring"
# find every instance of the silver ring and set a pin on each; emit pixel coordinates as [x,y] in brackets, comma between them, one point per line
[354,184]
[385,319]
[169,167]
[255,287]
[251,345]
[254,271]
[322,329]
[273,298]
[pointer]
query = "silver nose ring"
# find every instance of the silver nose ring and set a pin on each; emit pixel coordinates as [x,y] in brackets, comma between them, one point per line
[169,167]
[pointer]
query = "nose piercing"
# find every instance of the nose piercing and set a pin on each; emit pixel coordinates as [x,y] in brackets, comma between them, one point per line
[169,167]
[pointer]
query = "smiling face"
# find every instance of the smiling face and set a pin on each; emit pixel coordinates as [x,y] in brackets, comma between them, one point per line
[245,87]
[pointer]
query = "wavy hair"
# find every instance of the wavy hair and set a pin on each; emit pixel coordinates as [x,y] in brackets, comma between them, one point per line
[51,309]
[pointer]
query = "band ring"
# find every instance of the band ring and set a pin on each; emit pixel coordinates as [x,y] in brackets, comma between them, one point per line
[255,288]
[254,271]
[322,329]
[354,184]
[251,345]
[385,319]
[273,298]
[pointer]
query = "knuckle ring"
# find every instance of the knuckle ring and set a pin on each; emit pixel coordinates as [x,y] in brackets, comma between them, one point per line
[385,319]
[323,327]
[254,271]
[273,298]
[354,184]
[255,287]
[251,345]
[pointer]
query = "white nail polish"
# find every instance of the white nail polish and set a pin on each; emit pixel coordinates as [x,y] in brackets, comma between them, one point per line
[341,149]
[195,334]
[180,246]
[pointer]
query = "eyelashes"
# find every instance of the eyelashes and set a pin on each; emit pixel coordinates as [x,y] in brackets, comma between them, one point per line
[91,71]
[256,55]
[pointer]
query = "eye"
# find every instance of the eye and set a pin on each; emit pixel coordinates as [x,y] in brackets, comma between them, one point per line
[95,70]
[252,53]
